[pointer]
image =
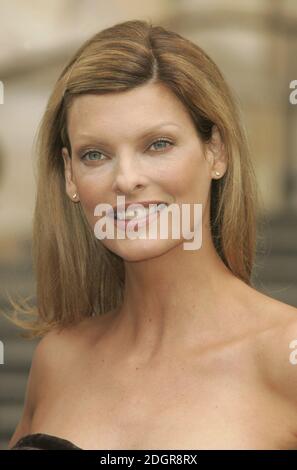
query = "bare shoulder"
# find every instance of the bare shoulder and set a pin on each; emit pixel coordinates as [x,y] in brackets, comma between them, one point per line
[274,333]
[51,359]
[276,358]
[43,362]
[277,349]
[69,342]
[283,352]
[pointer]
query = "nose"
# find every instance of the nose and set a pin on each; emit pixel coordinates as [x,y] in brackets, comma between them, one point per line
[127,176]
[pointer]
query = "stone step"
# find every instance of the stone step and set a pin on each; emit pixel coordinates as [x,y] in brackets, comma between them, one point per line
[4,442]
[10,415]
[286,218]
[279,233]
[278,241]
[13,387]
[284,292]
[17,354]
[277,267]
[7,328]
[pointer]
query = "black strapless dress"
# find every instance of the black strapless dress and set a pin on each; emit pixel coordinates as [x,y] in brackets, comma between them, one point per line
[40,441]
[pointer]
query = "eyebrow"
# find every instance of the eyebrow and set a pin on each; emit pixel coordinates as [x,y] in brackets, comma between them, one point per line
[141,135]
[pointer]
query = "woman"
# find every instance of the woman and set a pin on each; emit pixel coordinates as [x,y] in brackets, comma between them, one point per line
[145,344]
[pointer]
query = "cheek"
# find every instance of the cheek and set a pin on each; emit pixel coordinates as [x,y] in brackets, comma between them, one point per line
[92,190]
[188,177]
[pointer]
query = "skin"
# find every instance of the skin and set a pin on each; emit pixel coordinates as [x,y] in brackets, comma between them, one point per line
[194,357]
[156,292]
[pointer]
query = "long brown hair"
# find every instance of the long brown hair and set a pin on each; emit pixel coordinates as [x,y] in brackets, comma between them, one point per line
[76,276]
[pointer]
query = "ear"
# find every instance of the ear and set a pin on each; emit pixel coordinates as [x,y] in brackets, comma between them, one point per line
[71,188]
[216,153]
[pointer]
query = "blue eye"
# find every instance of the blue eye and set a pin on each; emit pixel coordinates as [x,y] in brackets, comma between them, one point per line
[90,152]
[162,141]
[94,152]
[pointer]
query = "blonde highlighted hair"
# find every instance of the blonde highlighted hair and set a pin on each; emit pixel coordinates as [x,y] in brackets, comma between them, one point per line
[76,276]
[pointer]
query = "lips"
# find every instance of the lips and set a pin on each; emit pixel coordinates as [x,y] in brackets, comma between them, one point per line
[138,221]
[132,206]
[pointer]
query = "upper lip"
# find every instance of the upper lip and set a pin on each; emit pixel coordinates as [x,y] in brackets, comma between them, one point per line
[121,207]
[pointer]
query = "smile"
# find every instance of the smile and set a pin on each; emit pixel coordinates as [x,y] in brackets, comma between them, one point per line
[138,217]
[138,213]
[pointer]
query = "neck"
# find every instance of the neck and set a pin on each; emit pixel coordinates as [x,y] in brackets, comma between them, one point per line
[174,302]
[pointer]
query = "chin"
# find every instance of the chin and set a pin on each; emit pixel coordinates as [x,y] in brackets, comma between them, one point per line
[140,249]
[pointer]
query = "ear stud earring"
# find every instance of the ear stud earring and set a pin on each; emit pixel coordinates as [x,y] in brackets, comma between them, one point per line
[74,196]
[217,173]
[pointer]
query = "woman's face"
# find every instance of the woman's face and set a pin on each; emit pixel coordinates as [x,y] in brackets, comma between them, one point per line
[116,151]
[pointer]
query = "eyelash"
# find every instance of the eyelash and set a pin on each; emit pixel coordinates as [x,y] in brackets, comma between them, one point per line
[156,141]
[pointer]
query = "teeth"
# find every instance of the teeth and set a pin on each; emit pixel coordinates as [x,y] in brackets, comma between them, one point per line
[162,205]
[139,212]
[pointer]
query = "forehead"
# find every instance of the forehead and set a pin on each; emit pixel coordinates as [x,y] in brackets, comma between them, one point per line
[128,111]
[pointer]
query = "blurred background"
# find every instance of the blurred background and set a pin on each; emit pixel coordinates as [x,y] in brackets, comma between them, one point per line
[254,43]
